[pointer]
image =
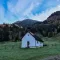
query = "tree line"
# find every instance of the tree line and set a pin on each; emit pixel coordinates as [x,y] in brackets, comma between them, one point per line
[10,32]
[13,32]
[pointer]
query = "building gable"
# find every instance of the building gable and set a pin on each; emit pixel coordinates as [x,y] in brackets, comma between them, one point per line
[28,36]
[31,35]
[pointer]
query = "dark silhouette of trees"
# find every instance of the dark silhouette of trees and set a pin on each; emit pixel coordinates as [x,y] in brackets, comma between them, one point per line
[10,32]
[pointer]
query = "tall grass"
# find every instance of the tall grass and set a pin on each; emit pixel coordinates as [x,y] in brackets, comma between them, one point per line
[12,50]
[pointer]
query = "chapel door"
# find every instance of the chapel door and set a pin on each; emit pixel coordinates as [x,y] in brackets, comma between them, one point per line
[28,44]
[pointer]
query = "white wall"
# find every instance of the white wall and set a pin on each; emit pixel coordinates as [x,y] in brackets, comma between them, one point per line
[32,41]
[28,37]
[39,44]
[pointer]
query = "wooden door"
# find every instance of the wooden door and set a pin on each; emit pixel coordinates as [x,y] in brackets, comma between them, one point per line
[28,43]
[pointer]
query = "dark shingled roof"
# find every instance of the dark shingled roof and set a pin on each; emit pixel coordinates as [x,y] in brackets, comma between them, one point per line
[37,38]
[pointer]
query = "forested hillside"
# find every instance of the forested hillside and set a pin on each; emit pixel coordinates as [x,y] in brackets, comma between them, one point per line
[14,32]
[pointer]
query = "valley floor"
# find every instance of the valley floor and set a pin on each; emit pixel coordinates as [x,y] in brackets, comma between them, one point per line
[12,50]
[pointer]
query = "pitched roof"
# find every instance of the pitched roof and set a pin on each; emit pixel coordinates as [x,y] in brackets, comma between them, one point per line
[36,37]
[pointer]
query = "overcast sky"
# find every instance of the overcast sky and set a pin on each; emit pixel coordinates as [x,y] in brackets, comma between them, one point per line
[14,10]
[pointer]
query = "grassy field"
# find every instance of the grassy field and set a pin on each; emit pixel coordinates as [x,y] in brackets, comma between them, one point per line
[12,50]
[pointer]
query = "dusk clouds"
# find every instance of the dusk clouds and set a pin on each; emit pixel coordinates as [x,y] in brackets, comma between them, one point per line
[14,10]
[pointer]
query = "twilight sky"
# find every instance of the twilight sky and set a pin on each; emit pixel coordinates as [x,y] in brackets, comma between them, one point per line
[14,10]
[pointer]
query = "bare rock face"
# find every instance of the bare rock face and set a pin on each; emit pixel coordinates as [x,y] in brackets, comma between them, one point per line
[53,58]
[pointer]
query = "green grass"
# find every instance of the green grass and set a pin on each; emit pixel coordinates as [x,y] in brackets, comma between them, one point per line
[12,50]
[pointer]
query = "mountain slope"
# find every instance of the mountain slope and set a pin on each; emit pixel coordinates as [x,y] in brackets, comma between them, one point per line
[26,22]
[54,18]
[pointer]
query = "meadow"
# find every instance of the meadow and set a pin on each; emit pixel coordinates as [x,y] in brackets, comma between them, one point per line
[12,50]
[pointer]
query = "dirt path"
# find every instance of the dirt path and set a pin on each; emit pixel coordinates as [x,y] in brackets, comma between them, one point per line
[53,58]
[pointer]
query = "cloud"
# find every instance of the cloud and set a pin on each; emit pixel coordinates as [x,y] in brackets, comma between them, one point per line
[28,11]
[14,10]
[32,6]
[19,7]
[58,0]
[23,7]
[45,14]
[2,15]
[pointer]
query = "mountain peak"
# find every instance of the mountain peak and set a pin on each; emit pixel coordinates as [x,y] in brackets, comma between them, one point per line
[57,13]
[27,19]
[54,18]
[26,22]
